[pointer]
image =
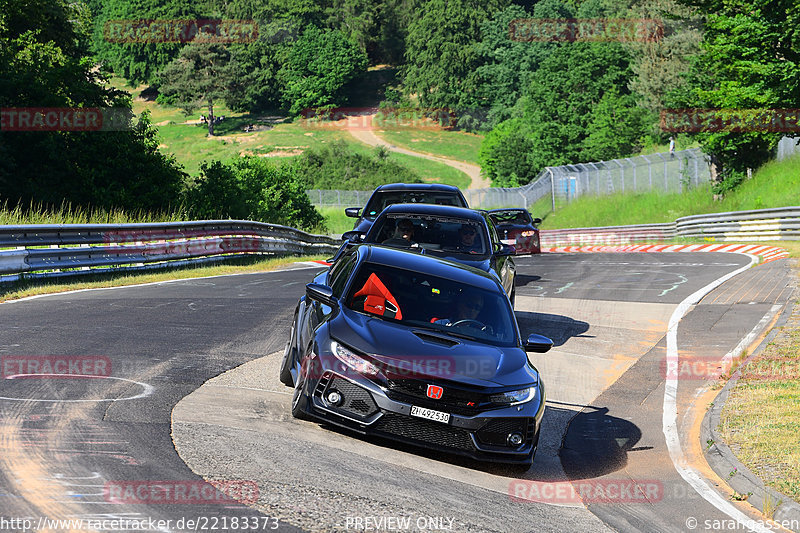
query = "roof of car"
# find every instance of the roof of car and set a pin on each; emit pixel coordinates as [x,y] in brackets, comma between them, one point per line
[428,264]
[417,187]
[434,209]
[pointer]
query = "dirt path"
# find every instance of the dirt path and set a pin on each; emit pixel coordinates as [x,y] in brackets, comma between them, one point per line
[366,133]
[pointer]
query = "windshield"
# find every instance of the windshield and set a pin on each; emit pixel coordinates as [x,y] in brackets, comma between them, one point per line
[380,200]
[433,303]
[515,218]
[447,235]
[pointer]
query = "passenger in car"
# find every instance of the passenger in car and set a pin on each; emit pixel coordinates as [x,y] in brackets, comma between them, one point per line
[468,241]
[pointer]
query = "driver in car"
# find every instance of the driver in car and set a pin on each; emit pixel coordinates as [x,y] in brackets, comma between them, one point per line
[468,308]
[403,235]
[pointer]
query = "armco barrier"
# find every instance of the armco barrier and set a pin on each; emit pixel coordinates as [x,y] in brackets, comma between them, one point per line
[778,224]
[70,249]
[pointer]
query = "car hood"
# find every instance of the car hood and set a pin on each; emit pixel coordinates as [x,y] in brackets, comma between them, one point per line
[424,354]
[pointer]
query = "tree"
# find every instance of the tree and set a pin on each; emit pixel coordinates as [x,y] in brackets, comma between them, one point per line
[616,127]
[116,44]
[442,54]
[505,154]
[750,60]
[320,65]
[507,65]
[42,64]
[202,73]
[251,188]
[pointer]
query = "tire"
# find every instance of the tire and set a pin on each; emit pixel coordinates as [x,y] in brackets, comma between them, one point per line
[299,399]
[286,365]
[289,353]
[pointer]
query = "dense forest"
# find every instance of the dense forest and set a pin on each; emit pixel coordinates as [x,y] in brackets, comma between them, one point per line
[539,99]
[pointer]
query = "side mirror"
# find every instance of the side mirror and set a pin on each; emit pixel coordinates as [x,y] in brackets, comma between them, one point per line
[537,221]
[505,250]
[538,343]
[353,212]
[321,293]
[353,236]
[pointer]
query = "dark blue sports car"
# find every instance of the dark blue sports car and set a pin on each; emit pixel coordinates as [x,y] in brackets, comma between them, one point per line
[464,235]
[418,349]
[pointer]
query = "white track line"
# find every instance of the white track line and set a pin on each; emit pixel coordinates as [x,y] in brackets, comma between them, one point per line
[669,421]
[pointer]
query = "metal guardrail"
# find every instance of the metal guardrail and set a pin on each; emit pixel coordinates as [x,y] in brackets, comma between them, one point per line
[73,249]
[777,224]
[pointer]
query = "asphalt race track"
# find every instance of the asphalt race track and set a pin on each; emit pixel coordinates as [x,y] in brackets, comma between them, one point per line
[179,383]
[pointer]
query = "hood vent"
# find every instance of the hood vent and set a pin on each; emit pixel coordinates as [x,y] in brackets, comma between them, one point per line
[443,340]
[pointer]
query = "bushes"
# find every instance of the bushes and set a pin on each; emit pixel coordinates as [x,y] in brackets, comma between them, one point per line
[338,167]
[251,189]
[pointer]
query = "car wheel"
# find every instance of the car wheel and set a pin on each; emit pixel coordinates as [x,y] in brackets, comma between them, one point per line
[299,398]
[288,357]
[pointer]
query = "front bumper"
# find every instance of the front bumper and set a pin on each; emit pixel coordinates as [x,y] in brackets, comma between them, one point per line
[368,408]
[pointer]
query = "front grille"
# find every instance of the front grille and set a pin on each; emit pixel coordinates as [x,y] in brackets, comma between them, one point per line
[425,431]
[495,432]
[355,399]
[453,400]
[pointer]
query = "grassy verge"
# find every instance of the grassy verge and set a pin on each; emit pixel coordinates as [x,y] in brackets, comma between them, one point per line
[335,219]
[761,419]
[24,288]
[776,184]
[452,144]
[67,214]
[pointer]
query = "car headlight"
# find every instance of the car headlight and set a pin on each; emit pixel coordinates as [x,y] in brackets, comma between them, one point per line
[528,233]
[514,397]
[357,363]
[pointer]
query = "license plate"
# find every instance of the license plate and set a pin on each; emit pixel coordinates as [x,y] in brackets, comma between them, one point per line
[430,414]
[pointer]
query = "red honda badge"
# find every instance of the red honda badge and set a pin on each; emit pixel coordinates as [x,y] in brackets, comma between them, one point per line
[435,392]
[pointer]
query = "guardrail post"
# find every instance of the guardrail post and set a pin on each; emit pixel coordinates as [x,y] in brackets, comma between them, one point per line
[552,189]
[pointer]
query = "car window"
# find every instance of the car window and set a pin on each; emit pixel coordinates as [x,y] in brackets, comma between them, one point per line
[430,302]
[511,217]
[380,200]
[432,232]
[492,232]
[340,272]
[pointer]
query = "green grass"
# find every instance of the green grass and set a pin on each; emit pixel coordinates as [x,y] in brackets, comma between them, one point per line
[67,214]
[335,220]
[776,184]
[452,144]
[761,418]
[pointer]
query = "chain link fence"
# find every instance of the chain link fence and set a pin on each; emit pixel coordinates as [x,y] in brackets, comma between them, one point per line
[787,147]
[664,172]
